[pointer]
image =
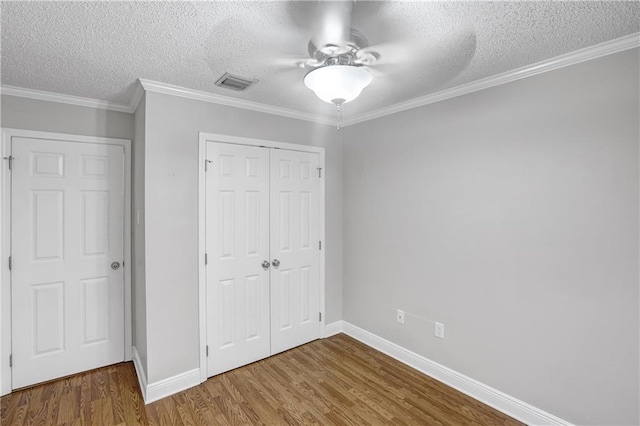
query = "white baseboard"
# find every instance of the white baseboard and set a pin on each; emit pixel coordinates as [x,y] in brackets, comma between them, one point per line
[502,402]
[142,378]
[333,329]
[171,385]
[162,388]
[507,404]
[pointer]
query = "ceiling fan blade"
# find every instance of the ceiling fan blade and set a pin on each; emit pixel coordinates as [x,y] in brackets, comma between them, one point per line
[333,26]
[438,62]
[292,62]
[385,54]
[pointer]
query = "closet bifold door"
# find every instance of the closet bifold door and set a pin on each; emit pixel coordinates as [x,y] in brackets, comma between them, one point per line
[295,256]
[237,241]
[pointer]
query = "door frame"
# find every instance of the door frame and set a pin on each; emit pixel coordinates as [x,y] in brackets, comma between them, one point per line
[5,236]
[202,275]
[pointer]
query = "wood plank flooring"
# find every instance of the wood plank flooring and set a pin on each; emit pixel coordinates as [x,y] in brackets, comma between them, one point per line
[334,381]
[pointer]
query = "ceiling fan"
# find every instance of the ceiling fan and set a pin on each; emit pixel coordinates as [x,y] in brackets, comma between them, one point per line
[338,73]
[342,62]
[338,56]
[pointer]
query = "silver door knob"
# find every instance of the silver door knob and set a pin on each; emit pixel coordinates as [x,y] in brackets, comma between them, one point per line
[275,263]
[115,266]
[265,265]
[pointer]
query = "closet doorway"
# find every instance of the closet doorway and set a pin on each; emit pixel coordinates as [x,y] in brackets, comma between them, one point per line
[261,239]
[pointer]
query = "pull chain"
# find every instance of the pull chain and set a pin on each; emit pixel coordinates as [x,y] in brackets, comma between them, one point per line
[338,102]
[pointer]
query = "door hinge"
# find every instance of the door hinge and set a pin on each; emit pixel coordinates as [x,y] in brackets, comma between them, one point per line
[10,160]
[10,264]
[206,258]
[319,172]
[11,360]
[320,316]
[206,164]
[319,245]
[207,350]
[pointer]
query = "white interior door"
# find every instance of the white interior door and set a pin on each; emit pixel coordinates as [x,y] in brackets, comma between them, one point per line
[237,241]
[67,230]
[295,237]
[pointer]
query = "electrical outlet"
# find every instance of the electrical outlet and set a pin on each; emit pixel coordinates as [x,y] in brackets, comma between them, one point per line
[400,316]
[439,330]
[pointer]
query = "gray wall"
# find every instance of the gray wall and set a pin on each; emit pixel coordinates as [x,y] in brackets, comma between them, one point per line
[138,212]
[171,202]
[511,216]
[45,116]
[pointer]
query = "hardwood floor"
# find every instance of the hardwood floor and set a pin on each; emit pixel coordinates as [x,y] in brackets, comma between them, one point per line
[334,381]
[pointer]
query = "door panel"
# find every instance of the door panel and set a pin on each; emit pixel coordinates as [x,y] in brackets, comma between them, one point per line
[295,234]
[237,241]
[67,228]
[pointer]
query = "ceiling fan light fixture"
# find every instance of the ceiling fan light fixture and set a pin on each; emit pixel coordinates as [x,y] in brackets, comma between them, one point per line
[337,84]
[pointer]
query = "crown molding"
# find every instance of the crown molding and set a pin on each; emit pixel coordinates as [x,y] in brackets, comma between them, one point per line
[65,99]
[588,53]
[169,89]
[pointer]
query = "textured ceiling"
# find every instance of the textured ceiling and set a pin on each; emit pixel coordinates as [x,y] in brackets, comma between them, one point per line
[99,49]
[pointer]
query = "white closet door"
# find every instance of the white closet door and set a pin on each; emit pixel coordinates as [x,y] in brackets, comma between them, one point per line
[67,229]
[295,230]
[237,241]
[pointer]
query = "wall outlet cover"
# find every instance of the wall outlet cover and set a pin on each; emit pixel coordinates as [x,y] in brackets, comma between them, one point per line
[439,330]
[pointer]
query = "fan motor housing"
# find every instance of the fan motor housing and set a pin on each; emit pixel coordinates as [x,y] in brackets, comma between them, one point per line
[356,41]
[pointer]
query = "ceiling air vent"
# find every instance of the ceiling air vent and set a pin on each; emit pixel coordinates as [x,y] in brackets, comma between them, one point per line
[235,82]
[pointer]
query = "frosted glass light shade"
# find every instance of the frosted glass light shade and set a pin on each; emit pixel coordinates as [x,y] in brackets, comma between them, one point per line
[337,84]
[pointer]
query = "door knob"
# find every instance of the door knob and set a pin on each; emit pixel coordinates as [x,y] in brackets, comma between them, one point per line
[275,263]
[265,265]
[115,266]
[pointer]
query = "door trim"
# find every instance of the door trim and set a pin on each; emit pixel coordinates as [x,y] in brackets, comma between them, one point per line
[202,278]
[5,246]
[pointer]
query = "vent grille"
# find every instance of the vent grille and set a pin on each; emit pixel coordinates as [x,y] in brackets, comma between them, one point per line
[235,82]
